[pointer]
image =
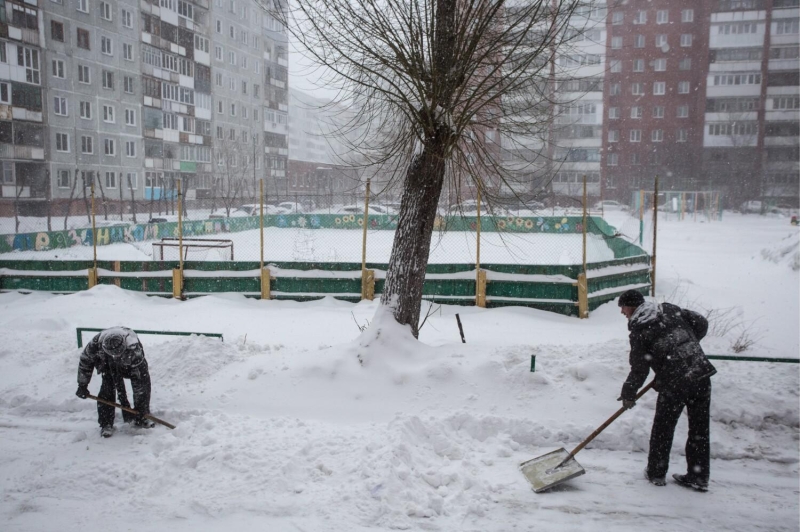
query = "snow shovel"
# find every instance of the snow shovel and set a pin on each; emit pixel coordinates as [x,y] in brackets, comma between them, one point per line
[130,410]
[559,466]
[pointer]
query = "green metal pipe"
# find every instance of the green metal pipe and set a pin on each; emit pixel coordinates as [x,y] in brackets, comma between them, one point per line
[79,331]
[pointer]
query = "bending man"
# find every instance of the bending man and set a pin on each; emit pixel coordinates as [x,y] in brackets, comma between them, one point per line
[117,354]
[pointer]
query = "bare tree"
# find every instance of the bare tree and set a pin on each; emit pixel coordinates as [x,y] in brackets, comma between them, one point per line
[234,174]
[436,85]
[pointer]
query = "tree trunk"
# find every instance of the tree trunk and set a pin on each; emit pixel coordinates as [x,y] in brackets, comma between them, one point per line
[69,201]
[412,240]
[133,200]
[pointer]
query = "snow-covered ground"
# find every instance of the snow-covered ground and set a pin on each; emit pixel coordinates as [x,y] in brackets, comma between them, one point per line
[298,422]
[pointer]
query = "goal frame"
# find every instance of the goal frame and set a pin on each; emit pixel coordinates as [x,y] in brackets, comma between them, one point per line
[189,243]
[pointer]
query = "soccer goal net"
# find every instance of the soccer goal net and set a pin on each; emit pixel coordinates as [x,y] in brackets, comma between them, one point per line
[193,249]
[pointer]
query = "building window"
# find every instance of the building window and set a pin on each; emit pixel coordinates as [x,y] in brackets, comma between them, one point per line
[87,145]
[638,41]
[60,106]
[127,83]
[613,159]
[83,6]
[686,39]
[130,148]
[638,65]
[5,93]
[108,79]
[127,51]
[218,52]
[111,180]
[661,41]
[613,113]
[660,65]
[244,87]
[635,159]
[636,111]
[616,65]
[733,128]
[786,102]
[133,180]
[616,43]
[640,17]
[657,135]
[130,117]
[617,18]
[105,11]
[658,111]
[233,109]
[637,88]
[86,110]
[56,31]
[220,133]
[787,26]
[29,58]
[63,178]
[127,19]
[106,46]
[685,63]
[108,114]
[201,43]
[687,15]
[109,147]
[662,16]
[219,107]
[62,142]
[58,68]
[613,135]
[683,87]
[232,58]
[683,111]
[83,39]
[636,135]
[737,28]
[659,88]
[3,56]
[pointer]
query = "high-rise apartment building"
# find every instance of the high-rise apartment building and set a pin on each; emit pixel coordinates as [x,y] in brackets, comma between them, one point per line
[136,95]
[23,134]
[705,95]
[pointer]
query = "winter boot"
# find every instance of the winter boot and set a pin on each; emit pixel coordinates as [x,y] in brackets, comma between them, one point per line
[655,481]
[107,432]
[691,482]
[144,423]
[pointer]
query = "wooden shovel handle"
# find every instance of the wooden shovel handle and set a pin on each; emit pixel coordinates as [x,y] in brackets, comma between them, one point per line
[130,410]
[608,422]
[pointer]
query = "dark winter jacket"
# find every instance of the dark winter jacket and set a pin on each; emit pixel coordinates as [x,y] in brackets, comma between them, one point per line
[666,339]
[93,357]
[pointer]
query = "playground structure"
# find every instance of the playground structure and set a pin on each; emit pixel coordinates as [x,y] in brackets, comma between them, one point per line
[680,204]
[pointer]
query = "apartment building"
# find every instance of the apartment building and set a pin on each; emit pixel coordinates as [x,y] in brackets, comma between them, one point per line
[704,95]
[654,95]
[135,95]
[23,139]
[752,129]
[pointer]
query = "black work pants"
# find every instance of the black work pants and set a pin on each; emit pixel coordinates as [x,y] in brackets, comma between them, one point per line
[696,397]
[114,385]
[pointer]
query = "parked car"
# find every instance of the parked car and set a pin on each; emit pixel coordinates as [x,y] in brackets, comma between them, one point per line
[222,213]
[358,209]
[252,209]
[610,205]
[112,223]
[383,209]
[162,218]
[290,207]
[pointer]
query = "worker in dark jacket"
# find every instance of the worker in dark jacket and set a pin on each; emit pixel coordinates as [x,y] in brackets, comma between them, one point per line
[116,354]
[666,339]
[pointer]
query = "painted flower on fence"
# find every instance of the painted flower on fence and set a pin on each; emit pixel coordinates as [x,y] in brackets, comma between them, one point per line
[302,222]
[315,222]
[337,221]
[282,222]
[501,224]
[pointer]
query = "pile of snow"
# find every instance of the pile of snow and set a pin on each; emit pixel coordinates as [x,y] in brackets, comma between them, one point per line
[787,251]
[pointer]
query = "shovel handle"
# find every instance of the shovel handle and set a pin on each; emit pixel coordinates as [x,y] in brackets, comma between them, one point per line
[130,410]
[608,422]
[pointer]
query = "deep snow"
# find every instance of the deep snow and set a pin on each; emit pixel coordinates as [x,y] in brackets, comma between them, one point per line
[299,422]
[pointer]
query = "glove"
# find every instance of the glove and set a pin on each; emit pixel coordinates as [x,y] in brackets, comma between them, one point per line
[627,404]
[83,391]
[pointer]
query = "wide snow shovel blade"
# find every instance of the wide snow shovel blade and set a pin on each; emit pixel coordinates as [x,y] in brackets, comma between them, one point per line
[560,466]
[131,411]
